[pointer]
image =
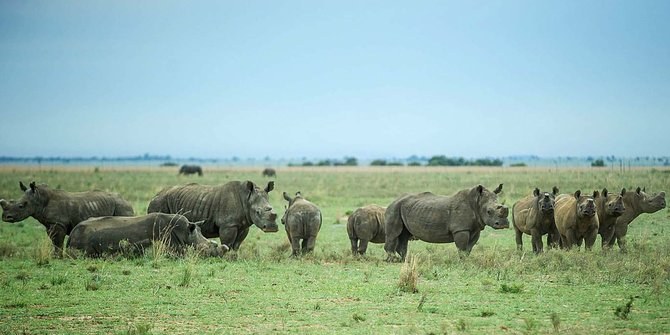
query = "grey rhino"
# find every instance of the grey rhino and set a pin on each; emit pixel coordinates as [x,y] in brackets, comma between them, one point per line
[228,210]
[609,207]
[190,169]
[636,203]
[269,172]
[534,215]
[366,224]
[442,219]
[576,219]
[97,236]
[302,221]
[61,211]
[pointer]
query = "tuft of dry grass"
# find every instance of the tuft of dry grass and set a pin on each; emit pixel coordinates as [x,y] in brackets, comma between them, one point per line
[43,252]
[409,274]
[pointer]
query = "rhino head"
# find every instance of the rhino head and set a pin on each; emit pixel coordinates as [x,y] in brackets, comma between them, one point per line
[586,206]
[545,200]
[614,202]
[201,243]
[260,210]
[29,204]
[490,212]
[648,203]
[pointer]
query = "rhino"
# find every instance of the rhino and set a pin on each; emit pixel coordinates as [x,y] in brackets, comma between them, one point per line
[60,211]
[190,169]
[534,215]
[302,220]
[576,219]
[458,218]
[636,203]
[107,234]
[609,206]
[269,172]
[228,210]
[366,224]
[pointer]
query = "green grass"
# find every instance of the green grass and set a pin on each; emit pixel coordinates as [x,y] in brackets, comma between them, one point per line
[493,290]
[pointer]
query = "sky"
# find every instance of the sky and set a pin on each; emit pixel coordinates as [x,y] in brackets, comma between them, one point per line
[370,79]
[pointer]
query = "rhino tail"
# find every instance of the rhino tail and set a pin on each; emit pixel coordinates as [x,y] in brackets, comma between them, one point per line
[351,221]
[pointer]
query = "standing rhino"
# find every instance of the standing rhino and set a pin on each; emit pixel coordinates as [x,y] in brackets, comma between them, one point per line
[442,219]
[609,207]
[228,210]
[576,219]
[636,203]
[190,169]
[366,224]
[534,215]
[302,221]
[97,236]
[269,172]
[61,211]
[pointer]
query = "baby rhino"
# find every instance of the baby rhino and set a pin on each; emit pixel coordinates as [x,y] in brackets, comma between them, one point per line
[302,221]
[576,219]
[97,236]
[366,224]
[534,215]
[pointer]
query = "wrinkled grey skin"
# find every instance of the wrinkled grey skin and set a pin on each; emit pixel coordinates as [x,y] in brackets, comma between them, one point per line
[269,172]
[302,221]
[61,211]
[609,206]
[534,215]
[576,219]
[442,219]
[228,210]
[636,203]
[190,169]
[104,235]
[366,224]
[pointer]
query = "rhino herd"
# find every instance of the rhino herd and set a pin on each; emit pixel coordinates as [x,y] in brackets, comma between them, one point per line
[188,215]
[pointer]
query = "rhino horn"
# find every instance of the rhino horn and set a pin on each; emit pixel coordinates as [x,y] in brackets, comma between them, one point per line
[498,189]
[554,190]
[270,187]
[199,223]
[23,187]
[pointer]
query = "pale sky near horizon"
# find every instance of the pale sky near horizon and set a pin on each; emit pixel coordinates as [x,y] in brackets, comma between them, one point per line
[368,79]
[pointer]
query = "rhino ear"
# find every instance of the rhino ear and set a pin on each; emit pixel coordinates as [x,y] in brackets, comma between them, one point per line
[32,186]
[637,190]
[286,197]
[595,194]
[605,192]
[480,189]
[578,194]
[23,187]
[270,187]
[191,227]
[554,190]
[536,192]
[644,189]
[4,203]
[623,191]
[498,189]
[250,186]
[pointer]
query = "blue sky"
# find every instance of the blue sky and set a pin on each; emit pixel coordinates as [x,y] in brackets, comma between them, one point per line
[334,78]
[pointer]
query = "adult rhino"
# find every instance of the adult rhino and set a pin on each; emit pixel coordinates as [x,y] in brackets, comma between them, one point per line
[109,234]
[228,210]
[636,203]
[366,224]
[190,169]
[60,211]
[302,221]
[534,215]
[269,172]
[576,219]
[442,219]
[609,206]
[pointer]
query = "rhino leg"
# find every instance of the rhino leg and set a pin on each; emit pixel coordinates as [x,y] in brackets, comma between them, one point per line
[363,246]
[464,240]
[308,244]
[519,238]
[241,235]
[553,238]
[620,237]
[354,246]
[606,236]
[57,234]
[536,241]
[232,237]
[295,246]
[401,248]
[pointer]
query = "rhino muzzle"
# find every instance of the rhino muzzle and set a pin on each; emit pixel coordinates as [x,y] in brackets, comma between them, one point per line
[271,228]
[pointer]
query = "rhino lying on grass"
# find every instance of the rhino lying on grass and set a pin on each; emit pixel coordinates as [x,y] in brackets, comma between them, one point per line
[576,219]
[609,207]
[442,219]
[113,234]
[61,211]
[636,203]
[534,215]
[302,221]
[366,224]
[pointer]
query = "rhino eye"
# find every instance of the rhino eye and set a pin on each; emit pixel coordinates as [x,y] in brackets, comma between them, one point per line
[489,211]
[22,205]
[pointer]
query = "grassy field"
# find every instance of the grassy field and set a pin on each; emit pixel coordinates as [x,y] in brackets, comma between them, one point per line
[493,290]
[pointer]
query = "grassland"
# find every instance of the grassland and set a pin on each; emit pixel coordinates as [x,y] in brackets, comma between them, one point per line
[494,290]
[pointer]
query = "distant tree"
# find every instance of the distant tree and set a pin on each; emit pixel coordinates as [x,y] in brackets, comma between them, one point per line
[378,162]
[413,164]
[307,163]
[395,164]
[598,163]
[325,162]
[522,164]
[350,161]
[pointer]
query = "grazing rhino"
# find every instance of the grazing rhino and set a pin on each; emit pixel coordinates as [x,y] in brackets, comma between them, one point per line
[190,169]
[442,219]
[228,210]
[609,206]
[636,203]
[269,172]
[576,219]
[302,221]
[97,236]
[61,211]
[366,224]
[534,215]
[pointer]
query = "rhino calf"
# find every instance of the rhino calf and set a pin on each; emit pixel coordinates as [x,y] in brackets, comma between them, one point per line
[534,215]
[576,219]
[108,234]
[302,221]
[190,169]
[636,203]
[366,224]
[609,207]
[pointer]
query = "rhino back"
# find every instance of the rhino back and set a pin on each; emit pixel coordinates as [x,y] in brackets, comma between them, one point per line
[304,219]
[72,208]
[434,218]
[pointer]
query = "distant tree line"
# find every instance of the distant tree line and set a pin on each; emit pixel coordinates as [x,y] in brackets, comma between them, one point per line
[348,161]
[443,160]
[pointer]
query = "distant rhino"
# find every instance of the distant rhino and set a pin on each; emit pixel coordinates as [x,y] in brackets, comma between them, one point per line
[636,203]
[442,219]
[228,210]
[366,224]
[534,215]
[190,169]
[102,235]
[576,219]
[609,207]
[269,172]
[302,221]
[61,211]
